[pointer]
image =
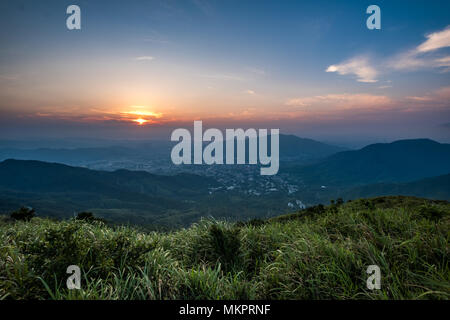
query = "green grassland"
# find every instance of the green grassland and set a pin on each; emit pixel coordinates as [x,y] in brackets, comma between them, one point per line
[318,253]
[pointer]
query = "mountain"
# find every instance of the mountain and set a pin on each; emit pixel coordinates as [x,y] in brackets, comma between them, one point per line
[291,148]
[399,161]
[58,190]
[431,188]
[75,156]
[37,176]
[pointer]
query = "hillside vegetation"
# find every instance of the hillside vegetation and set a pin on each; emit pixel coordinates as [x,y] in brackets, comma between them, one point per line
[318,253]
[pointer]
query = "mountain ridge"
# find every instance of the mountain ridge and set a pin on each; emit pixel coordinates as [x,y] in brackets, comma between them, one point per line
[398,161]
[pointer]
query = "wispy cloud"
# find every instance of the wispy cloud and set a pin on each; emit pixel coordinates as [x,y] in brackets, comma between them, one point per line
[144,58]
[340,101]
[143,113]
[440,97]
[436,40]
[222,76]
[349,106]
[425,55]
[250,92]
[358,66]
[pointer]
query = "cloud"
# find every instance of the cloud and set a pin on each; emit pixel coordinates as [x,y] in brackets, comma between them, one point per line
[144,58]
[364,105]
[440,97]
[415,98]
[425,55]
[222,76]
[413,60]
[436,40]
[358,66]
[143,113]
[342,101]
[250,92]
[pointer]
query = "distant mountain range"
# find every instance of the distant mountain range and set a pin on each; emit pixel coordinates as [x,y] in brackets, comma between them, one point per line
[291,148]
[399,161]
[75,156]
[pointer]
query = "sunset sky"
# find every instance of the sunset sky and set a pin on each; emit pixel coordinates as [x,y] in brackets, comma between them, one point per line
[138,69]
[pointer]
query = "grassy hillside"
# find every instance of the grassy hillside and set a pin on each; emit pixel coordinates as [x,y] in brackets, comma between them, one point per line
[318,253]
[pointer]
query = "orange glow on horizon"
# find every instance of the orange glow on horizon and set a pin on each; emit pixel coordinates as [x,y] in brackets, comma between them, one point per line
[140,121]
[143,113]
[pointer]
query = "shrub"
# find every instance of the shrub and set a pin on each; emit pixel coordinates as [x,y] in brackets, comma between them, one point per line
[23,214]
[88,217]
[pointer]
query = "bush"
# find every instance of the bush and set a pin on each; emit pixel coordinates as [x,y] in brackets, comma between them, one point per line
[23,214]
[88,217]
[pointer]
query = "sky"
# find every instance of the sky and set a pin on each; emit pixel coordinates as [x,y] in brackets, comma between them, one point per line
[139,69]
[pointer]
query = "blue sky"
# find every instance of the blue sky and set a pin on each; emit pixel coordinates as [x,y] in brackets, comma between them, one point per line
[229,63]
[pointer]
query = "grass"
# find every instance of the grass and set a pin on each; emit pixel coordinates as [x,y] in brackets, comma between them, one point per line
[318,253]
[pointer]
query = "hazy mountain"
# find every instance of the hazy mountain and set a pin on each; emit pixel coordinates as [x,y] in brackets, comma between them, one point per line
[399,161]
[291,148]
[76,155]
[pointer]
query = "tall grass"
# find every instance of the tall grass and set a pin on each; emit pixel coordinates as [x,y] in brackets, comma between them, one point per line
[319,253]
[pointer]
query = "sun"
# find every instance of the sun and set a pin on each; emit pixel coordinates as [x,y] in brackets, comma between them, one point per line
[140,121]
